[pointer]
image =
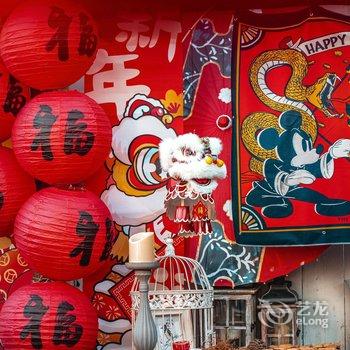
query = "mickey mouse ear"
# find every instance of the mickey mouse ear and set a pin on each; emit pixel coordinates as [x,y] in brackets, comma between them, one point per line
[290,120]
[268,138]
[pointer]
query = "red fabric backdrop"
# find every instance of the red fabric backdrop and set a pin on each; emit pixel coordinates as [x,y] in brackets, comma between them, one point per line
[139,69]
[208,37]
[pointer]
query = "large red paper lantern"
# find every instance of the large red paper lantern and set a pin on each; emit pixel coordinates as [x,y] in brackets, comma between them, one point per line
[48,316]
[13,96]
[61,137]
[64,234]
[16,187]
[48,44]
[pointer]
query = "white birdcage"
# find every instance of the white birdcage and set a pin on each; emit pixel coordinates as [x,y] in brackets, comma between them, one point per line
[181,301]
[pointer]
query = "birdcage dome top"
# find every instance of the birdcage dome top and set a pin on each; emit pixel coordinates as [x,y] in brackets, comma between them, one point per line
[178,283]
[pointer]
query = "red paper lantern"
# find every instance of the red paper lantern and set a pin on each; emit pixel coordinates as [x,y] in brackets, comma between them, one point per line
[15,188]
[13,96]
[48,316]
[48,44]
[64,234]
[61,137]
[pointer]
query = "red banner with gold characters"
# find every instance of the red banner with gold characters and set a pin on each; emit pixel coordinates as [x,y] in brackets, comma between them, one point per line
[292,136]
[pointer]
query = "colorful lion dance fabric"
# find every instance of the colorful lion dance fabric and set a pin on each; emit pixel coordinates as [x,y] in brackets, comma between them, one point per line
[194,169]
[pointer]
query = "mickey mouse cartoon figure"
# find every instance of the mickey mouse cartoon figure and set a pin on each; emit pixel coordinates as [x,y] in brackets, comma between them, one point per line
[298,163]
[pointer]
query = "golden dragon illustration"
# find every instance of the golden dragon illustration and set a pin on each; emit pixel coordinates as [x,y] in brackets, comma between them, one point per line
[295,96]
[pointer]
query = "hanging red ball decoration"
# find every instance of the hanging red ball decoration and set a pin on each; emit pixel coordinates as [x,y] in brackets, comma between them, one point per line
[64,234]
[224,122]
[61,137]
[48,316]
[16,187]
[13,96]
[48,44]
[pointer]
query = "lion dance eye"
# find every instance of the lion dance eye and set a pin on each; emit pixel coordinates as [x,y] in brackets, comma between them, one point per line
[188,152]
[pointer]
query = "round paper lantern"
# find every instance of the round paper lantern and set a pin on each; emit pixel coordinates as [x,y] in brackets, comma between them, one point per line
[48,316]
[13,96]
[16,187]
[64,234]
[48,44]
[61,137]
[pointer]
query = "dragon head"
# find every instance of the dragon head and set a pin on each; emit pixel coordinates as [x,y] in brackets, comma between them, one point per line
[320,94]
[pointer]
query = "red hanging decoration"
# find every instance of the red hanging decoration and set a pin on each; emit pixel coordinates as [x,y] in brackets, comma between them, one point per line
[194,169]
[15,188]
[64,234]
[13,96]
[48,316]
[48,44]
[61,137]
